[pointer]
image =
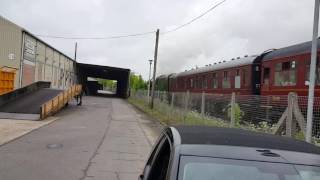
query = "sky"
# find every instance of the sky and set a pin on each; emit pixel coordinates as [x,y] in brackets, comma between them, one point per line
[234,29]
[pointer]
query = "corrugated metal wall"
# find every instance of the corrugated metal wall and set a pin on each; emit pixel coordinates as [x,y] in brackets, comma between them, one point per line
[10,47]
[40,61]
[29,60]
[50,65]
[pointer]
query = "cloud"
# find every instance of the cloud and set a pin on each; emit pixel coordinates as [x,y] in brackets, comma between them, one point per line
[236,28]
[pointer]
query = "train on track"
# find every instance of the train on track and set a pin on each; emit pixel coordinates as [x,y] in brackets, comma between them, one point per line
[273,72]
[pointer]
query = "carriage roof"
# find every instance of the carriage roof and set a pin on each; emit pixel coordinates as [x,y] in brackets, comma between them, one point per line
[296,49]
[219,66]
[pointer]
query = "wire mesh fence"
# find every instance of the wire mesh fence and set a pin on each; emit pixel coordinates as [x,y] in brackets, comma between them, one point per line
[303,104]
[285,115]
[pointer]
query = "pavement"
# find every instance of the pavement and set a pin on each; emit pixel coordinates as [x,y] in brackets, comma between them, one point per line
[19,116]
[105,138]
[12,129]
[30,103]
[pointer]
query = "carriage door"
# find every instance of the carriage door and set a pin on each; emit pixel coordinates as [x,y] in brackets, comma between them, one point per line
[266,79]
[256,84]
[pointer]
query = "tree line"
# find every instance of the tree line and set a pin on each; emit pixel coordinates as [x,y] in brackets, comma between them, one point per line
[136,83]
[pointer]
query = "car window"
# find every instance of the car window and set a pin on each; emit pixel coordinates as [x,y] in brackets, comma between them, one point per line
[205,168]
[159,166]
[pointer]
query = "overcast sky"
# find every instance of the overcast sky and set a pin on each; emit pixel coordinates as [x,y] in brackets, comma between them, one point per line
[236,28]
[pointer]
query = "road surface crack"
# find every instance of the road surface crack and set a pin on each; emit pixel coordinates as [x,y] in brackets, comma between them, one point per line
[85,171]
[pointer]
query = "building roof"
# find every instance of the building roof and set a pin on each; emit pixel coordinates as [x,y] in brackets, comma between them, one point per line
[205,135]
[296,49]
[219,66]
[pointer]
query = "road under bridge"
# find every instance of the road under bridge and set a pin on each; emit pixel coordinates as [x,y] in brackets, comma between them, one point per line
[120,75]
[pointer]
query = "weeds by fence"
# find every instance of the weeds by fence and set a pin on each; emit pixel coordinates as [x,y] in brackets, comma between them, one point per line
[283,115]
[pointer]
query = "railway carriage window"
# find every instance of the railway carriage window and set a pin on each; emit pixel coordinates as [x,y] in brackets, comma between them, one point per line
[200,83]
[308,73]
[214,82]
[266,76]
[205,82]
[191,83]
[226,80]
[244,77]
[186,85]
[285,74]
[237,79]
[176,83]
[196,83]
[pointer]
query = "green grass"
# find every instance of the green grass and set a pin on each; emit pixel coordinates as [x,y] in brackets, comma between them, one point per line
[174,116]
[168,115]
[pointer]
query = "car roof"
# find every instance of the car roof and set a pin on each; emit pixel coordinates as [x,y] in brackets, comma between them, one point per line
[205,135]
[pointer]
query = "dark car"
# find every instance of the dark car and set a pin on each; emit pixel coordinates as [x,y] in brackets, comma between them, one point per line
[208,153]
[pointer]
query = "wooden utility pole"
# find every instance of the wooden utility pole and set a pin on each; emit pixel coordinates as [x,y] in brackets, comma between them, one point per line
[75,51]
[149,80]
[74,65]
[154,68]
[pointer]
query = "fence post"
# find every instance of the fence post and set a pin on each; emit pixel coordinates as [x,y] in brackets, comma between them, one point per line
[159,95]
[186,101]
[203,103]
[172,100]
[289,123]
[287,119]
[268,109]
[232,110]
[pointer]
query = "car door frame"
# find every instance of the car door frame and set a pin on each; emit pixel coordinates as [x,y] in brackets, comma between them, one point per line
[154,153]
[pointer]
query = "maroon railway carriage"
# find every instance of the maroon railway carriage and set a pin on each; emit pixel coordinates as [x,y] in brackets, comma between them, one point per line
[273,73]
[287,70]
[241,75]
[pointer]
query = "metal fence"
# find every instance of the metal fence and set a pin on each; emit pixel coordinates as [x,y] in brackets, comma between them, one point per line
[285,115]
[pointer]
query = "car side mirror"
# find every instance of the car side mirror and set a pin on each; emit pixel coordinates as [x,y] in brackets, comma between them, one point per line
[141,177]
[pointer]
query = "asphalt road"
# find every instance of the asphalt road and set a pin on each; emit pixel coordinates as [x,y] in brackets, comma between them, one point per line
[30,103]
[103,139]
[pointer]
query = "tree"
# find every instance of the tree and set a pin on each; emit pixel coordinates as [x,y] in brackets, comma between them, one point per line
[137,82]
[108,84]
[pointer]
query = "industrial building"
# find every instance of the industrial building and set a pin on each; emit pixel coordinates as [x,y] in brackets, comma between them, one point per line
[25,59]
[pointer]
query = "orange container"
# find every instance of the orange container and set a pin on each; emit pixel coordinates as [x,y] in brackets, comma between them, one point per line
[6,81]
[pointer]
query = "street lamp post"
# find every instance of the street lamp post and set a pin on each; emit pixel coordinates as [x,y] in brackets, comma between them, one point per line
[150,61]
[312,71]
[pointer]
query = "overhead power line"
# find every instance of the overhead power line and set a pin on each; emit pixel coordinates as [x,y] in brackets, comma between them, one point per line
[135,34]
[96,38]
[194,19]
